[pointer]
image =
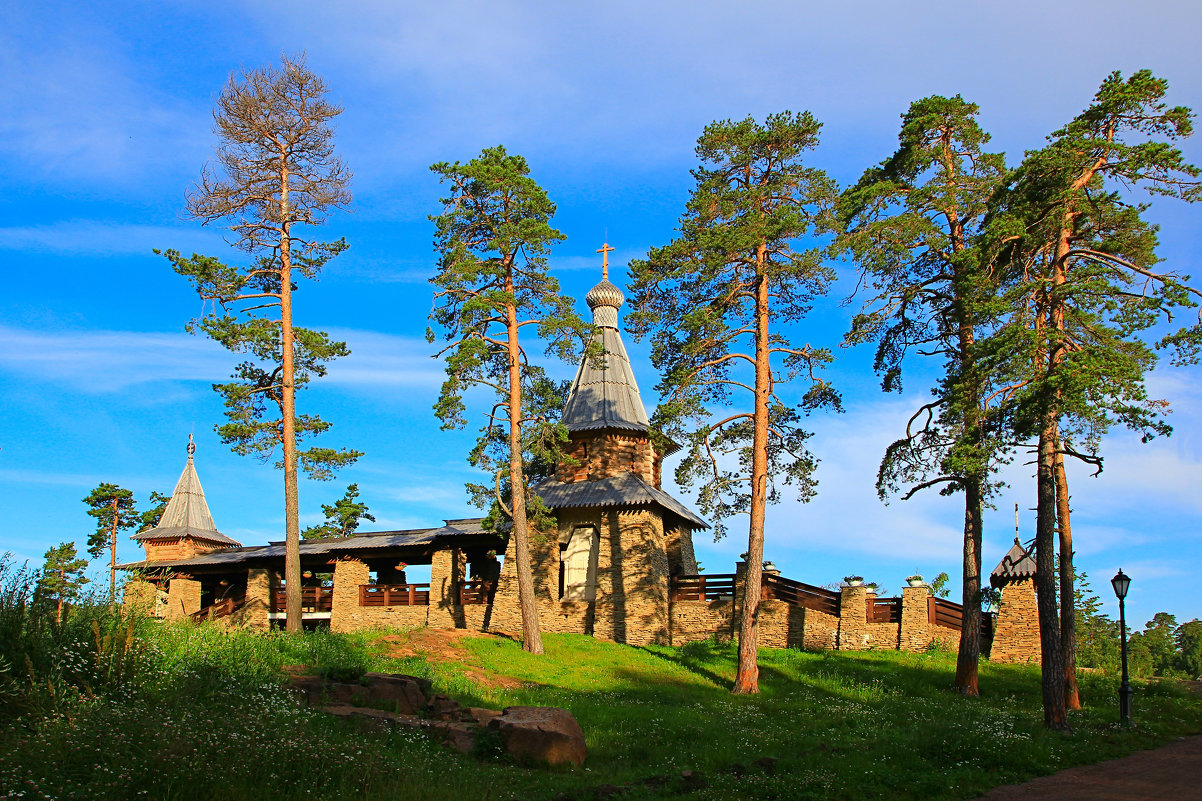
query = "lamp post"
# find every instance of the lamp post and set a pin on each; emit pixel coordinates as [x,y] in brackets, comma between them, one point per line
[1121,582]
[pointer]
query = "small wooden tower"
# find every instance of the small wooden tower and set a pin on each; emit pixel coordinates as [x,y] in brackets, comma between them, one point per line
[186,528]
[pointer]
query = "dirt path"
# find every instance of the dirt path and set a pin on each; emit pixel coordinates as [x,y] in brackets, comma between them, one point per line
[1173,771]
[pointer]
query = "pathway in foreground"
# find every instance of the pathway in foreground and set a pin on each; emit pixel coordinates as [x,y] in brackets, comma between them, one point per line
[1173,771]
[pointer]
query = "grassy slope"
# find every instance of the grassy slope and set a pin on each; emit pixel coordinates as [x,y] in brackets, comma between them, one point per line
[200,715]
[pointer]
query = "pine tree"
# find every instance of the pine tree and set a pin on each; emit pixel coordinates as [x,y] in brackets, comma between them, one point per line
[1078,259]
[912,225]
[342,518]
[114,510]
[714,301]
[150,518]
[62,576]
[277,175]
[492,239]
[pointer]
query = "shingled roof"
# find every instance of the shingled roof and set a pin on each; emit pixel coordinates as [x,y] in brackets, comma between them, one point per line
[605,394]
[454,530]
[625,489]
[1016,565]
[187,513]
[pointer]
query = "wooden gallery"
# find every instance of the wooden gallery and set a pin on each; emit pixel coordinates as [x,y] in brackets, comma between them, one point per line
[620,566]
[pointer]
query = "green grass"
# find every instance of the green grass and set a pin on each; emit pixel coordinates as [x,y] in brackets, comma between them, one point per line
[106,708]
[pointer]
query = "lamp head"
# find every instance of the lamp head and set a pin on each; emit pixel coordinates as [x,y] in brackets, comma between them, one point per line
[1120,582]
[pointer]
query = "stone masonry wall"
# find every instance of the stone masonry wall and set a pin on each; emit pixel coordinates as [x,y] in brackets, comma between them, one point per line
[853,620]
[447,569]
[140,595]
[700,620]
[347,615]
[1016,629]
[916,627]
[255,612]
[183,598]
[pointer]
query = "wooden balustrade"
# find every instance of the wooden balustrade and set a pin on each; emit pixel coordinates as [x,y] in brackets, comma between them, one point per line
[942,612]
[222,608]
[394,594]
[313,599]
[793,592]
[476,592]
[714,587]
[884,610]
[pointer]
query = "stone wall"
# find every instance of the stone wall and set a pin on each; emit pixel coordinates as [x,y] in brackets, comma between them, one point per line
[256,610]
[853,619]
[347,615]
[1016,628]
[139,595]
[447,569]
[631,604]
[700,620]
[183,598]
[678,541]
[916,634]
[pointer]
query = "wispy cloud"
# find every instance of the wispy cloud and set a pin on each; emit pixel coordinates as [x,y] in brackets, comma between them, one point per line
[98,238]
[131,358]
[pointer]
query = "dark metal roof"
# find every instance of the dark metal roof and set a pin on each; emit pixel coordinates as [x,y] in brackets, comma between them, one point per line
[1016,565]
[187,513]
[368,541]
[625,489]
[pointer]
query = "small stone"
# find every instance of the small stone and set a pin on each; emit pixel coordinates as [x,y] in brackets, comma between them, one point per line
[767,764]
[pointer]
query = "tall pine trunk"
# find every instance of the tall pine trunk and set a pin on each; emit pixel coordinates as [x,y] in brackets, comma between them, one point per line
[532,639]
[113,555]
[1055,714]
[1068,618]
[292,571]
[747,677]
[968,658]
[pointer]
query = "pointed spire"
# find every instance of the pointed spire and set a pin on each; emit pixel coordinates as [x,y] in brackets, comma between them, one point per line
[605,396]
[187,513]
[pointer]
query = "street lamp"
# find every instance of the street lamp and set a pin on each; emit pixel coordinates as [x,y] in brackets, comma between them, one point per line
[1121,582]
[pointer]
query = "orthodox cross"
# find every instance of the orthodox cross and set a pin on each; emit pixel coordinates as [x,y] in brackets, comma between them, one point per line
[604,250]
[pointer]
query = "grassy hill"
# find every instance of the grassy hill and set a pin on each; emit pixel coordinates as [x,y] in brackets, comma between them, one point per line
[105,708]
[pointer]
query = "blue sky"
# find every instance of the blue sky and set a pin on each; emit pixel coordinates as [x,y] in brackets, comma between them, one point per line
[105,121]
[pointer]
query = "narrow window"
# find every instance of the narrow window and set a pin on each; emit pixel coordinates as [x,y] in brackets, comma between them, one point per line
[579,577]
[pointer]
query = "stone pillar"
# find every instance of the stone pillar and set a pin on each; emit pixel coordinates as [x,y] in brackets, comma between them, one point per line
[257,607]
[183,598]
[915,619]
[1016,629]
[853,619]
[632,578]
[139,597]
[447,569]
[345,612]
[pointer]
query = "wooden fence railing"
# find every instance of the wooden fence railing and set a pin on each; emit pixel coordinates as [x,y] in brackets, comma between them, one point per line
[884,610]
[476,592]
[222,608]
[780,588]
[313,599]
[712,587]
[942,612]
[394,594]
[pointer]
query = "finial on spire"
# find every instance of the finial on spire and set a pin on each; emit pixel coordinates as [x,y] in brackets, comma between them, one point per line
[605,250]
[191,447]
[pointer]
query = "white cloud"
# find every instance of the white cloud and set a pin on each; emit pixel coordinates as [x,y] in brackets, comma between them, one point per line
[97,237]
[131,358]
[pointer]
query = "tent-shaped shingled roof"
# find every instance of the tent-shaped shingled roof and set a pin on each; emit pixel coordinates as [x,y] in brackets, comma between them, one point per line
[187,513]
[1016,565]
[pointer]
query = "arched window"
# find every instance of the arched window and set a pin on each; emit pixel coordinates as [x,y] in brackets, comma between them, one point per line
[579,574]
